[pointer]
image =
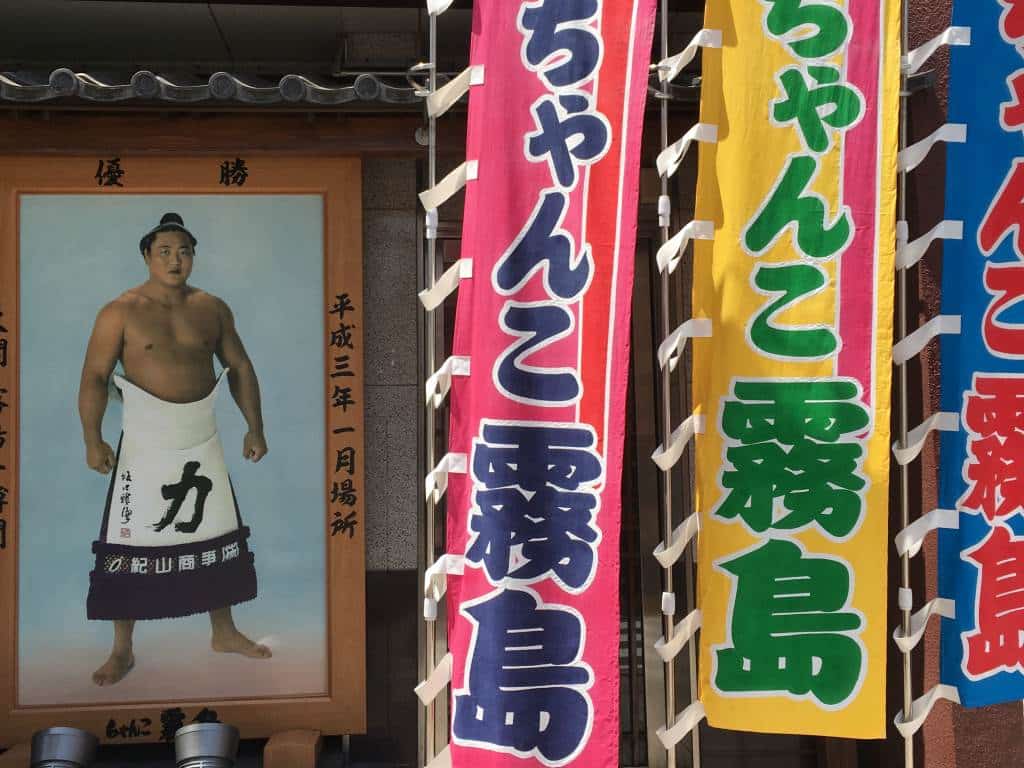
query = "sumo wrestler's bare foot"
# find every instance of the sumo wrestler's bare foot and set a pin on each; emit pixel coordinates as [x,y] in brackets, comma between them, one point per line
[114,669]
[121,658]
[227,639]
[236,642]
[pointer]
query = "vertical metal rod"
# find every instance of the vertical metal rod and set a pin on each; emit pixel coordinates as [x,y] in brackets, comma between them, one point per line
[430,275]
[902,384]
[668,622]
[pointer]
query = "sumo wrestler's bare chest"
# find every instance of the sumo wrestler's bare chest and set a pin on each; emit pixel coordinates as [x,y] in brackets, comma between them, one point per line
[172,333]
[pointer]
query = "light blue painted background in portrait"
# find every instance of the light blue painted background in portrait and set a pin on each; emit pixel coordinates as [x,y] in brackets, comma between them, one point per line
[262,254]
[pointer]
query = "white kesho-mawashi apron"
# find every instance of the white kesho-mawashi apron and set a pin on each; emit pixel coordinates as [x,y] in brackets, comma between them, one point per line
[172,541]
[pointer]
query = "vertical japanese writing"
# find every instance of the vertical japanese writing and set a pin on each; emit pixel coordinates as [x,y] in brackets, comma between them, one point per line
[815,102]
[343,495]
[793,448]
[536,480]
[993,414]
[125,499]
[6,439]
[3,343]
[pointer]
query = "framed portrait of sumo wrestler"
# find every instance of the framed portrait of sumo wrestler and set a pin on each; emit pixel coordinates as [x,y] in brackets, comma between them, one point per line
[181,443]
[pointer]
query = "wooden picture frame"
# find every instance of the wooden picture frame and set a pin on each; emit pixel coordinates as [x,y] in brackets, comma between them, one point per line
[337,180]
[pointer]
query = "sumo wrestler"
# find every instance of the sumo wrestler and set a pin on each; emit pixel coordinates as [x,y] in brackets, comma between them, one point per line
[172,542]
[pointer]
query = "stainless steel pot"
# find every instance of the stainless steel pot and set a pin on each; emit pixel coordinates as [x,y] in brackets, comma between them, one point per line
[206,745]
[63,748]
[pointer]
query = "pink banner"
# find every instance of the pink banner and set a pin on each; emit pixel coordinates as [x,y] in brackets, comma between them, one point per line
[550,228]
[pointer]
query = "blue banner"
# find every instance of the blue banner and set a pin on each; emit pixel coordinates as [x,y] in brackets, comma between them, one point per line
[982,562]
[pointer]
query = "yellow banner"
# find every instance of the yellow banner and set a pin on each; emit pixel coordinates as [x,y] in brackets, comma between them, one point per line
[794,383]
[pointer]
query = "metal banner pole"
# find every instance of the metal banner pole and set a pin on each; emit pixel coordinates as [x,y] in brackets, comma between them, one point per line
[903,395]
[430,273]
[668,618]
[666,411]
